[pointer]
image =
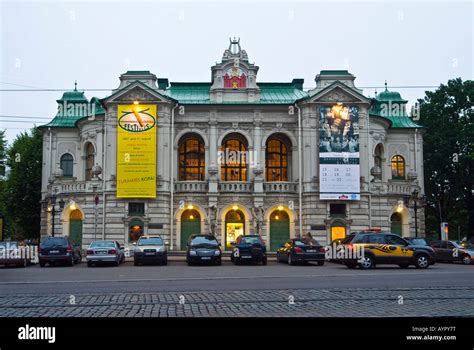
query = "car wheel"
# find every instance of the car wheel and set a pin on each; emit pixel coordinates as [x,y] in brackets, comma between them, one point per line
[422,262]
[290,260]
[264,261]
[89,264]
[117,262]
[219,262]
[403,266]
[135,262]
[320,263]
[366,262]
[42,264]
[70,262]
[466,259]
[165,262]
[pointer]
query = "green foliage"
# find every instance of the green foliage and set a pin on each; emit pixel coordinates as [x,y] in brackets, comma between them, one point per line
[447,113]
[21,192]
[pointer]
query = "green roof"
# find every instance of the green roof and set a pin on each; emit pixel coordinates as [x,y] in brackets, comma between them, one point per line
[72,107]
[137,72]
[334,72]
[270,93]
[390,106]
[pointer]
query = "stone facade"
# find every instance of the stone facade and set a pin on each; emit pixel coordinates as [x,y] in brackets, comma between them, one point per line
[255,112]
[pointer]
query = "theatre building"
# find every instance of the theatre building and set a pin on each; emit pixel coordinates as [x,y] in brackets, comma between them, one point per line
[231,156]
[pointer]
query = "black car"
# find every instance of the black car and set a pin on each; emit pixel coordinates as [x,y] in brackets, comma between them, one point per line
[54,250]
[299,250]
[450,251]
[203,249]
[249,248]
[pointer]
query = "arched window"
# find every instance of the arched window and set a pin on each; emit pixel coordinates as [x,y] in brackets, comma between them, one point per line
[66,164]
[233,160]
[276,159]
[398,168]
[191,159]
[90,155]
[378,156]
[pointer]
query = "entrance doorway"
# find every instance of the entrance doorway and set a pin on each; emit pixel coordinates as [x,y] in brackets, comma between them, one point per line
[396,224]
[135,230]
[75,227]
[338,231]
[279,229]
[190,224]
[234,227]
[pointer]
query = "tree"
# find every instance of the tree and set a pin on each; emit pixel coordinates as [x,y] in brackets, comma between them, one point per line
[21,192]
[447,113]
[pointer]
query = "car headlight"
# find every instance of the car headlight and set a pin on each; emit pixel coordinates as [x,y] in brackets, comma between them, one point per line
[192,252]
[217,252]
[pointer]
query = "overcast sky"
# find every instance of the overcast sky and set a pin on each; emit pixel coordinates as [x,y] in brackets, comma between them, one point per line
[50,44]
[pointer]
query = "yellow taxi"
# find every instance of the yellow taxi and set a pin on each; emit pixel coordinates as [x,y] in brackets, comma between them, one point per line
[368,249]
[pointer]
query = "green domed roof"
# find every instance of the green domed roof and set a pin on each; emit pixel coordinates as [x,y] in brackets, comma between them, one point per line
[73,96]
[387,95]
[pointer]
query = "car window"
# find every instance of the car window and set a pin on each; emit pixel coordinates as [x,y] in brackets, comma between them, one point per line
[150,241]
[377,239]
[250,240]
[8,245]
[450,245]
[444,245]
[435,245]
[103,244]
[55,241]
[347,239]
[204,240]
[418,241]
[299,243]
[391,239]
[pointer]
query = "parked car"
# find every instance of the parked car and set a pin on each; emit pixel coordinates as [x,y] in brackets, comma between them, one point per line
[12,253]
[385,248]
[203,249]
[150,249]
[300,250]
[249,248]
[59,249]
[450,251]
[105,252]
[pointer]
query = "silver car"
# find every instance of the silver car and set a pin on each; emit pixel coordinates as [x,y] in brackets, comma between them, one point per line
[12,253]
[150,249]
[105,252]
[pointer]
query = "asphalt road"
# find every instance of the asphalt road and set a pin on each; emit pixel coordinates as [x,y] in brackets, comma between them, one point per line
[177,276]
[228,290]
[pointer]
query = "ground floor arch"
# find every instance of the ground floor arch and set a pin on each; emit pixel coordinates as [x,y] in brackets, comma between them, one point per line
[279,229]
[72,220]
[190,224]
[190,218]
[234,221]
[400,220]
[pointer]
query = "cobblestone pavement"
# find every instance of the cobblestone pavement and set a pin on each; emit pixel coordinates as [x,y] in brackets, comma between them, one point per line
[367,302]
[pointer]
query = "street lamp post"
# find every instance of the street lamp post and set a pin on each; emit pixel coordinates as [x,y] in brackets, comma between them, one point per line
[415,198]
[52,209]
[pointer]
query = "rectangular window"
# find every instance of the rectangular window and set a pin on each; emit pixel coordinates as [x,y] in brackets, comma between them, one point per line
[136,209]
[337,209]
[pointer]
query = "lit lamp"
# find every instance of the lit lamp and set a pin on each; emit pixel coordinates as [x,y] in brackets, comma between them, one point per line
[235,207]
[190,206]
[280,207]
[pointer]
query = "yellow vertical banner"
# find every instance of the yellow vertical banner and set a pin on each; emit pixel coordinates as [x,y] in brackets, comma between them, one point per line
[136,151]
